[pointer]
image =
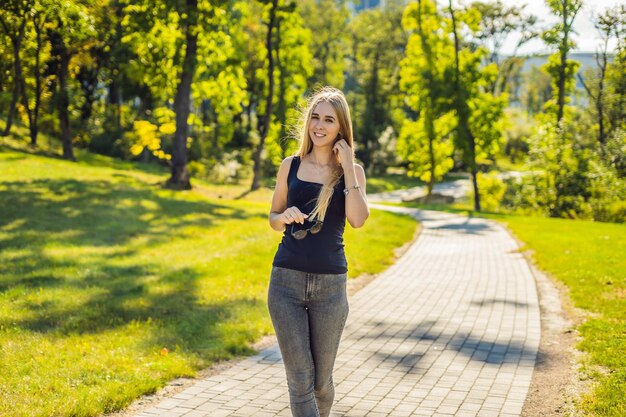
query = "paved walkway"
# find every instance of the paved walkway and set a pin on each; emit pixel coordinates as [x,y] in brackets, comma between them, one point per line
[452,329]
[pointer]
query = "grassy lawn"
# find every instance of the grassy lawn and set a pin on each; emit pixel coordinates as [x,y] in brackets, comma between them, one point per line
[110,286]
[398,181]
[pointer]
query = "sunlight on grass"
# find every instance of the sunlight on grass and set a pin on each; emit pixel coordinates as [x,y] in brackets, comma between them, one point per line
[101,269]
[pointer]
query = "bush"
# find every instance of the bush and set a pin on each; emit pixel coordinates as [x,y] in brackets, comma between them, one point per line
[491,189]
[573,176]
[227,170]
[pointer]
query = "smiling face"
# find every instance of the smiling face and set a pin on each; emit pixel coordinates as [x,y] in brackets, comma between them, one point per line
[323,125]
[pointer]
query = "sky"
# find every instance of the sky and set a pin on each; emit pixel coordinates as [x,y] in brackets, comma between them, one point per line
[587,39]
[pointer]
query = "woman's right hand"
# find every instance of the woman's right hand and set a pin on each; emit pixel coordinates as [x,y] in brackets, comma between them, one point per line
[293,215]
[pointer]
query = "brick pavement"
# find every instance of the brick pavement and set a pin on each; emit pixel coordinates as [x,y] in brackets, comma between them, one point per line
[451,329]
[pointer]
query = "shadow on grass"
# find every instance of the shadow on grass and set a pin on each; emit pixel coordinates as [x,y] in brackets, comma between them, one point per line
[111,289]
[99,212]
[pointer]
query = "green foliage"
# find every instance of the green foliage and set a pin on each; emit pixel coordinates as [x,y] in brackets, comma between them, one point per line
[414,147]
[100,270]
[571,175]
[487,123]
[553,69]
[328,20]
[516,135]
[427,142]
[537,90]
[372,88]
[561,157]
[492,190]
[449,89]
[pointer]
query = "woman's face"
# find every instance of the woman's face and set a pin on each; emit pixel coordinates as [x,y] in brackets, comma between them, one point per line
[324,125]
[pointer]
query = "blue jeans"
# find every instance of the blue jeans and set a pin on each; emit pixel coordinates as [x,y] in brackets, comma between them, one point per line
[308,312]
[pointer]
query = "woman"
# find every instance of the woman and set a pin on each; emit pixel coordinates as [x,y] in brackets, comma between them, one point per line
[316,190]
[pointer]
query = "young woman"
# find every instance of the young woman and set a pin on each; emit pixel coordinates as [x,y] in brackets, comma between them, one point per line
[316,190]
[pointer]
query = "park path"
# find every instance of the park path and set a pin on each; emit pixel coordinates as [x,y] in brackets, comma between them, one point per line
[451,329]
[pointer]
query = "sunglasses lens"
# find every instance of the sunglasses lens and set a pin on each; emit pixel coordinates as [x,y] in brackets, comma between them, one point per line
[299,234]
[316,228]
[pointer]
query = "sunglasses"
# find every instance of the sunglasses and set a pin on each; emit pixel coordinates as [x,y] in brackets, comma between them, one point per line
[301,234]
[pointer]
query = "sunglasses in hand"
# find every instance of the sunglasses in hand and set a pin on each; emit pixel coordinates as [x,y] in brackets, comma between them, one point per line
[301,234]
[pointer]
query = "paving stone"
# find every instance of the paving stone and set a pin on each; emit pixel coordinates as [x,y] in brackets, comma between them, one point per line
[451,329]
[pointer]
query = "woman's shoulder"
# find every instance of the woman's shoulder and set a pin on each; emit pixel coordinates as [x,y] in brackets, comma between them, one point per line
[285,166]
[289,159]
[359,169]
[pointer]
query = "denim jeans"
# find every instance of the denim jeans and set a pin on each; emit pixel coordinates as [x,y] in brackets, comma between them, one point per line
[308,312]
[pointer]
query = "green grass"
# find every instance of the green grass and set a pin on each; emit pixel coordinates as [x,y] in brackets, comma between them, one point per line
[100,269]
[391,182]
[399,181]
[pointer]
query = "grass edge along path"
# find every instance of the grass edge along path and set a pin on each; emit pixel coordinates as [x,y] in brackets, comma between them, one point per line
[111,286]
[588,257]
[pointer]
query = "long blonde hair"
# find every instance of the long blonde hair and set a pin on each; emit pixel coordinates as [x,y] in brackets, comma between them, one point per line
[338,101]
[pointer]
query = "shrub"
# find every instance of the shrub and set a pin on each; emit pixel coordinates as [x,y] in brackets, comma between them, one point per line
[491,189]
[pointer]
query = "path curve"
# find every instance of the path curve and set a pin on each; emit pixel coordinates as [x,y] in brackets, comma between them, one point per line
[451,329]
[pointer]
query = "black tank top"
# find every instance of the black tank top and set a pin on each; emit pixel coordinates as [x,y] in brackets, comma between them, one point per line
[321,253]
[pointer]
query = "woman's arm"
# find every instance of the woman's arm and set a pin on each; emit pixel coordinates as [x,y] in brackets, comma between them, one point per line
[280,215]
[357,210]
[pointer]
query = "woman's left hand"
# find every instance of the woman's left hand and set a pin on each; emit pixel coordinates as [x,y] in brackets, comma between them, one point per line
[344,151]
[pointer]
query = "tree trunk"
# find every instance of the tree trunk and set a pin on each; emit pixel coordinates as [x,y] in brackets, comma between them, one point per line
[281,111]
[63,106]
[182,102]
[264,129]
[428,115]
[34,128]
[33,114]
[60,51]
[430,131]
[368,133]
[114,101]
[469,148]
[355,67]
[562,67]
[16,40]
[600,100]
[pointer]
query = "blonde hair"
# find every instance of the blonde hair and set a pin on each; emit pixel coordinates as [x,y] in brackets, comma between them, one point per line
[337,100]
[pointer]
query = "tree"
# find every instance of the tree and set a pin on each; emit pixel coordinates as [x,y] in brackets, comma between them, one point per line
[184,49]
[479,113]
[13,18]
[537,90]
[605,26]
[560,68]
[328,20]
[182,100]
[293,58]
[497,23]
[373,87]
[70,34]
[264,126]
[284,61]
[427,142]
[616,71]
[39,17]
